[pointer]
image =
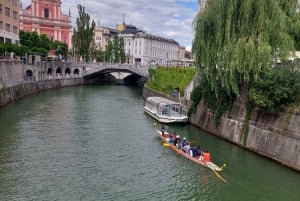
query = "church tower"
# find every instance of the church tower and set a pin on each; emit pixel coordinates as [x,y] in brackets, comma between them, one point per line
[45,17]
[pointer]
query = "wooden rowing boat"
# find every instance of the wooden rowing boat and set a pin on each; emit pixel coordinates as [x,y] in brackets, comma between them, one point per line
[209,165]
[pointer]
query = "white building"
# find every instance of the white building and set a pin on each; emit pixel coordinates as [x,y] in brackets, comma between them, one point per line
[143,48]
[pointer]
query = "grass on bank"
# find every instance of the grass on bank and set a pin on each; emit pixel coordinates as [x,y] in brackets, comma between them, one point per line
[165,80]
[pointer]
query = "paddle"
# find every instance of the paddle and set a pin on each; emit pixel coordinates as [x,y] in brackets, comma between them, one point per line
[166,144]
[219,176]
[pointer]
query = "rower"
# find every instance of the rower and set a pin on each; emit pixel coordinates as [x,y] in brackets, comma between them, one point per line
[162,130]
[195,151]
[206,156]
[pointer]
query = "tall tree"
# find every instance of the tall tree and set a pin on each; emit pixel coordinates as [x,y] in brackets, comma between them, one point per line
[122,50]
[108,53]
[116,56]
[236,40]
[83,38]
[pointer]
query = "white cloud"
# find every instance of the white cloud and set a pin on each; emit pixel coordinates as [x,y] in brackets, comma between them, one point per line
[167,18]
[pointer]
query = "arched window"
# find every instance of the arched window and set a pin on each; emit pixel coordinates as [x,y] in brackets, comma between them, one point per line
[46,13]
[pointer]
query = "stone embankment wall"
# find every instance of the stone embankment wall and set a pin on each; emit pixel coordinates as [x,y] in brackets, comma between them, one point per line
[11,72]
[17,91]
[14,82]
[273,135]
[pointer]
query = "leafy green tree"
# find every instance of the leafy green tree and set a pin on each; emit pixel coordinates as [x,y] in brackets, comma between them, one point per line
[278,86]
[83,34]
[109,51]
[60,48]
[31,41]
[99,55]
[236,40]
[116,56]
[122,50]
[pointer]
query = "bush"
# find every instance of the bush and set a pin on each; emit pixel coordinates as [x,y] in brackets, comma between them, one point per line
[277,87]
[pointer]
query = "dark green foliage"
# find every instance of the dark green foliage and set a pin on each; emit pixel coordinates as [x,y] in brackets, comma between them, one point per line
[109,52]
[32,42]
[151,72]
[196,96]
[99,55]
[237,43]
[116,55]
[237,39]
[59,47]
[278,86]
[122,50]
[218,104]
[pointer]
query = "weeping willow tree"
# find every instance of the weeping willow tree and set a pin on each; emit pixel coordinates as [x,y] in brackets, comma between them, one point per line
[236,40]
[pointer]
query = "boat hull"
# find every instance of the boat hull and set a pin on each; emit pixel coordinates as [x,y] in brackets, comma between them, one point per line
[165,119]
[209,165]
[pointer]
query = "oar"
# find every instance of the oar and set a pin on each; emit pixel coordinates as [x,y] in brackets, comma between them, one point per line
[219,176]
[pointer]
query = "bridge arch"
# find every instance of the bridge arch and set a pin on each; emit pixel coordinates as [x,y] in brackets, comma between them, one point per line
[67,71]
[58,71]
[76,71]
[29,75]
[49,71]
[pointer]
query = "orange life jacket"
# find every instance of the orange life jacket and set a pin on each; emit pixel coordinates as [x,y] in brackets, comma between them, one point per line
[206,156]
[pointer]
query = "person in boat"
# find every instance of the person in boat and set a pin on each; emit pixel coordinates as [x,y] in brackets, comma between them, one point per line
[206,156]
[176,140]
[195,151]
[185,145]
[172,138]
[183,142]
[178,144]
[162,130]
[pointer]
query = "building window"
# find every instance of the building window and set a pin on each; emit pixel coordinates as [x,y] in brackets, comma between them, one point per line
[0,8]
[15,15]
[46,13]
[7,11]
[15,30]
[7,27]
[1,25]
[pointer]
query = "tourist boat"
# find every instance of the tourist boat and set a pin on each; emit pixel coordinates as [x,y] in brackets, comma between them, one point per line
[165,110]
[209,165]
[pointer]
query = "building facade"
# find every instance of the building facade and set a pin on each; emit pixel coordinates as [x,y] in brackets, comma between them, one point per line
[9,21]
[147,49]
[202,5]
[45,17]
[102,35]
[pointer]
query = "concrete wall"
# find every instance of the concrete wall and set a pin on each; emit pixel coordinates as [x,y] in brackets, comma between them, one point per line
[15,92]
[273,135]
[11,72]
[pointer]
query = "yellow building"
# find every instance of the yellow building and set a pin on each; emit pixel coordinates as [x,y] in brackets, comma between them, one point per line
[9,21]
[103,35]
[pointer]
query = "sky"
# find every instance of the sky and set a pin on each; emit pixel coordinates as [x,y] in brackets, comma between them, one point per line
[171,19]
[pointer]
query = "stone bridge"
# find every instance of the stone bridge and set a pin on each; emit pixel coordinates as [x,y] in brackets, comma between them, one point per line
[93,69]
[115,73]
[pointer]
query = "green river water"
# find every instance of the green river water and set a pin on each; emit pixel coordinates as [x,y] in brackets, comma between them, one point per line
[96,143]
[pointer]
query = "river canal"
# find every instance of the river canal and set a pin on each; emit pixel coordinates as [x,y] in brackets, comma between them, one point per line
[95,143]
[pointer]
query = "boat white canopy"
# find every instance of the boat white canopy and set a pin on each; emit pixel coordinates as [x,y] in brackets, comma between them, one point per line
[155,100]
